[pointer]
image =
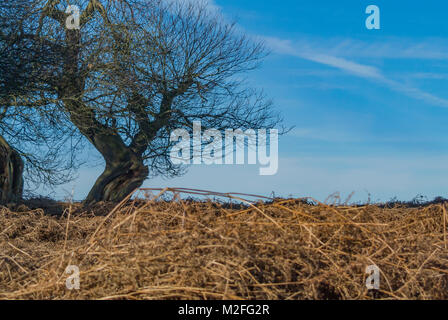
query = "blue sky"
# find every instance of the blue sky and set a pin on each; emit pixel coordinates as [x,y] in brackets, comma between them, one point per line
[370,107]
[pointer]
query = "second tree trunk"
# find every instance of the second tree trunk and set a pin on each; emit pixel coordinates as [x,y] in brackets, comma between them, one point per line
[11,174]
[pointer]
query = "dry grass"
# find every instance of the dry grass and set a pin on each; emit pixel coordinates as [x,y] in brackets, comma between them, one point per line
[179,249]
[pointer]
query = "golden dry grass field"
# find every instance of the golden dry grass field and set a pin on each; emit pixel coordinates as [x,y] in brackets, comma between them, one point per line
[285,249]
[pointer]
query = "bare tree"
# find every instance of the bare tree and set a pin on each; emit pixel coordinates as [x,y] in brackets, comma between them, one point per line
[138,69]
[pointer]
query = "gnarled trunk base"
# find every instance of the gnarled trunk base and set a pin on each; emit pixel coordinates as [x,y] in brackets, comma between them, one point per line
[11,174]
[118,181]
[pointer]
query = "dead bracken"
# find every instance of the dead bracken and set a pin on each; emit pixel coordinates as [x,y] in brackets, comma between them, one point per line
[285,249]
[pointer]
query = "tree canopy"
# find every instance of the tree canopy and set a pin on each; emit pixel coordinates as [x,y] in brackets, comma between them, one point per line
[136,70]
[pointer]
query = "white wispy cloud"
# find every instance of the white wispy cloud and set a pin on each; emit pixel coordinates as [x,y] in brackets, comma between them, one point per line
[307,52]
[389,48]
[346,65]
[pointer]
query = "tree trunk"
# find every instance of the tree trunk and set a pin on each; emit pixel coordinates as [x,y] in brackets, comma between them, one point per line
[122,175]
[118,180]
[125,169]
[11,174]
